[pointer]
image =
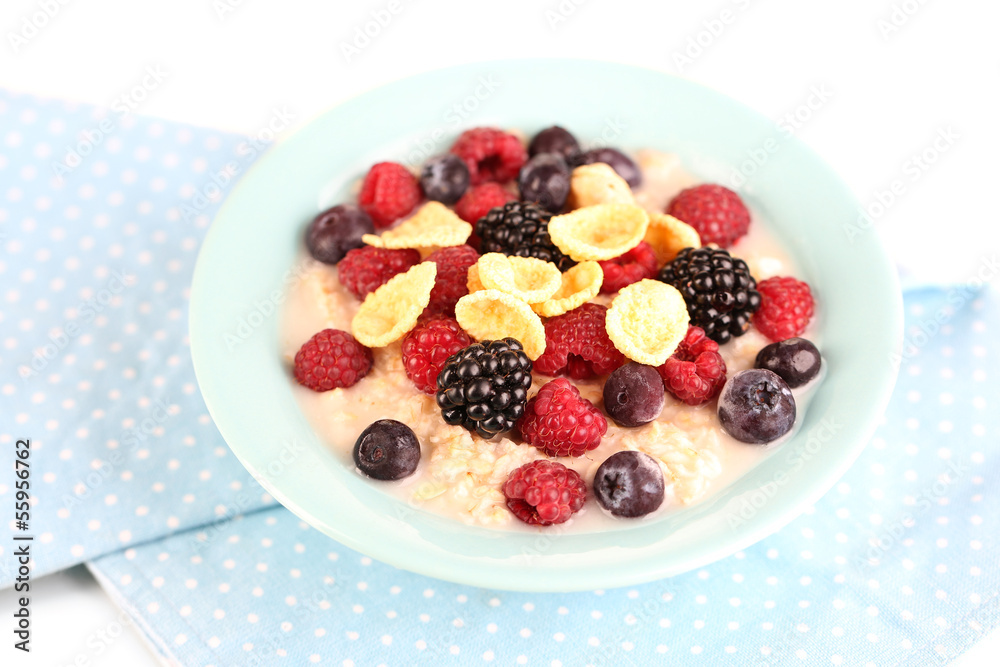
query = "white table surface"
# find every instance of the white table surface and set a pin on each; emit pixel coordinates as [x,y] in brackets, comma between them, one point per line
[228,63]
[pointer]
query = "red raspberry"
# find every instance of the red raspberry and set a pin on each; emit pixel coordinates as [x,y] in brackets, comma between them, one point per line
[577,344]
[717,213]
[786,306]
[388,193]
[695,372]
[479,199]
[427,347]
[542,493]
[451,283]
[490,154]
[331,359]
[635,265]
[560,422]
[365,269]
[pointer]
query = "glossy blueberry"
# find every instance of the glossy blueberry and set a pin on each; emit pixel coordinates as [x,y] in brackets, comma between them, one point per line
[629,484]
[617,160]
[756,406]
[387,450]
[795,360]
[335,231]
[544,179]
[444,178]
[554,140]
[633,394]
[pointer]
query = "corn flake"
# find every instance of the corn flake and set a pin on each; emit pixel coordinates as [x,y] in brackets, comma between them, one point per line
[491,314]
[599,232]
[391,310]
[598,183]
[529,279]
[579,285]
[668,236]
[433,225]
[647,321]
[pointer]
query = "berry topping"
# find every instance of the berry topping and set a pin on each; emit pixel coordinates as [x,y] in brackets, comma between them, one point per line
[520,229]
[479,199]
[331,359]
[615,159]
[635,265]
[387,450]
[544,179]
[756,406]
[717,213]
[695,372]
[554,140]
[388,193]
[542,493]
[426,349]
[444,178]
[335,231]
[364,270]
[485,386]
[633,394]
[629,484]
[795,360]
[451,282]
[720,293]
[577,344]
[490,154]
[561,422]
[786,306]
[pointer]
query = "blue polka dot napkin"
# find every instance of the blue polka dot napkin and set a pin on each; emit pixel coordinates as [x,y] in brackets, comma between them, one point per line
[896,565]
[100,225]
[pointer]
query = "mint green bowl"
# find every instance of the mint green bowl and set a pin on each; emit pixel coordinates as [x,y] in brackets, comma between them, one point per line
[252,247]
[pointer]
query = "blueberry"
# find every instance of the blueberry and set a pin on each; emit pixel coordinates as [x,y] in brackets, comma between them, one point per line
[445,178]
[387,450]
[554,140]
[633,394]
[756,406]
[617,160]
[335,231]
[629,484]
[544,179]
[796,360]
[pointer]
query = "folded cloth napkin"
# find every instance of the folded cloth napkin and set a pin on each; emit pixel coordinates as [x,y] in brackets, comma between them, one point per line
[101,218]
[896,565]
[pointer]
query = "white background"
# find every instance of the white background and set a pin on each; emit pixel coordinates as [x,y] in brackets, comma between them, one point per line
[896,73]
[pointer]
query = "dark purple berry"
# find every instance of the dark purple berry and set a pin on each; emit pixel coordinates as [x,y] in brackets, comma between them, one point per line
[444,178]
[554,140]
[617,160]
[629,484]
[387,450]
[544,179]
[795,360]
[337,230]
[756,406]
[633,394]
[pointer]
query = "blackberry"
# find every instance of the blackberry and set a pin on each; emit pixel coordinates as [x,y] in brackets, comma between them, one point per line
[720,293]
[484,387]
[520,229]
